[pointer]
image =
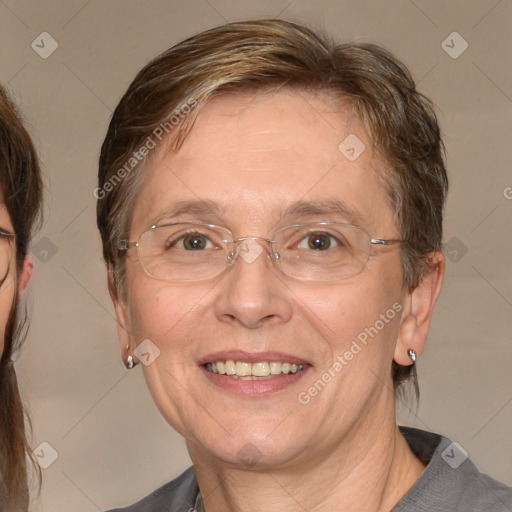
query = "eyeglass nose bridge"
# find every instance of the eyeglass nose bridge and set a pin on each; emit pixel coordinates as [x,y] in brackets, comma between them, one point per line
[250,254]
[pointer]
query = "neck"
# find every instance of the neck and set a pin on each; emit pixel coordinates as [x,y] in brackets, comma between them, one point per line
[367,471]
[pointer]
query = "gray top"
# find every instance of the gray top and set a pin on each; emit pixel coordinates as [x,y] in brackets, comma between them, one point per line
[449,483]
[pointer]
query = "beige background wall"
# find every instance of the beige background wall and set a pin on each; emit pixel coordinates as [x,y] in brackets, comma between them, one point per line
[113,446]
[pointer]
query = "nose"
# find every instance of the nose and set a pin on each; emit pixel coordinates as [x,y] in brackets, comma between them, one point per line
[252,293]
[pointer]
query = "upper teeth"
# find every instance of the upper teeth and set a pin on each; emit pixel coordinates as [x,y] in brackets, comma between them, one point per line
[260,369]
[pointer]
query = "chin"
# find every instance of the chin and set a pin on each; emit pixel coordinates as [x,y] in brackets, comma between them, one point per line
[260,448]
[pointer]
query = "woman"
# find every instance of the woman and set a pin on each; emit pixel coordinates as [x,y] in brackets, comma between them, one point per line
[270,206]
[20,210]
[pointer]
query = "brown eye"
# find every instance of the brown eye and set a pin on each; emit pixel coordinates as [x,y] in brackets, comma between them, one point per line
[193,242]
[319,241]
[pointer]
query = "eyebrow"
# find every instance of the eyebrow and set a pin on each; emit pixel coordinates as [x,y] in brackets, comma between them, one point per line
[298,209]
[191,207]
[326,207]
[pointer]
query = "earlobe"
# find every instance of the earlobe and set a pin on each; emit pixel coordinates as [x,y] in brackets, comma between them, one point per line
[407,340]
[418,311]
[26,274]
[122,320]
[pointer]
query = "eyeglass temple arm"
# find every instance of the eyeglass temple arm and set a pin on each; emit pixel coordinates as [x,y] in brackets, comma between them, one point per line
[382,241]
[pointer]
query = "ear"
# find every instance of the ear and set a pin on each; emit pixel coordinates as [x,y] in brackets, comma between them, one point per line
[26,274]
[418,309]
[122,319]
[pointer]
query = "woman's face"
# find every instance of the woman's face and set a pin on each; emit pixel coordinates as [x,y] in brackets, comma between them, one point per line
[7,271]
[253,160]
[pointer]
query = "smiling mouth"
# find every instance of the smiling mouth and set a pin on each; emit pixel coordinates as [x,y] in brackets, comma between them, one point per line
[261,370]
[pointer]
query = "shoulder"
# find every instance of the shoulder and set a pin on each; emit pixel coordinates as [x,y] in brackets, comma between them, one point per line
[450,482]
[176,495]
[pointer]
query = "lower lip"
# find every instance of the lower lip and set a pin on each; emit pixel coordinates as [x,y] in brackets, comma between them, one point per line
[254,387]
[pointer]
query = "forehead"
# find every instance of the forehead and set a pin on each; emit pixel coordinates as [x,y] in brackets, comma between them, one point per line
[255,155]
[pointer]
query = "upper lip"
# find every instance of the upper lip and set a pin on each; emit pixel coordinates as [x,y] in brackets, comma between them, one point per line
[251,357]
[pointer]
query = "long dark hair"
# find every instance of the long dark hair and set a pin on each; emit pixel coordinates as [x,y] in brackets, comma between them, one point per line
[21,191]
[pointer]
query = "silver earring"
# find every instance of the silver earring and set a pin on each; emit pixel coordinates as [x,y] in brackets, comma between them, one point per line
[129,360]
[412,355]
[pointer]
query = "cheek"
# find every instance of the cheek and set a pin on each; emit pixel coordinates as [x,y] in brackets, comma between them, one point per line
[167,314]
[357,317]
[355,347]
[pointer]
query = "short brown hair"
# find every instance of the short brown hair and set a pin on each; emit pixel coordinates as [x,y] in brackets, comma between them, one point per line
[261,54]
[21,192]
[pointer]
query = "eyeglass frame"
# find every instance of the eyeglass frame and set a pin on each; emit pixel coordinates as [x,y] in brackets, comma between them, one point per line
[124,245]
[7,235]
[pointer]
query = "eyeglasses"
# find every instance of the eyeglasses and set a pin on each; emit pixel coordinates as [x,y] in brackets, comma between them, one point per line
[323,251]
[6,240]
